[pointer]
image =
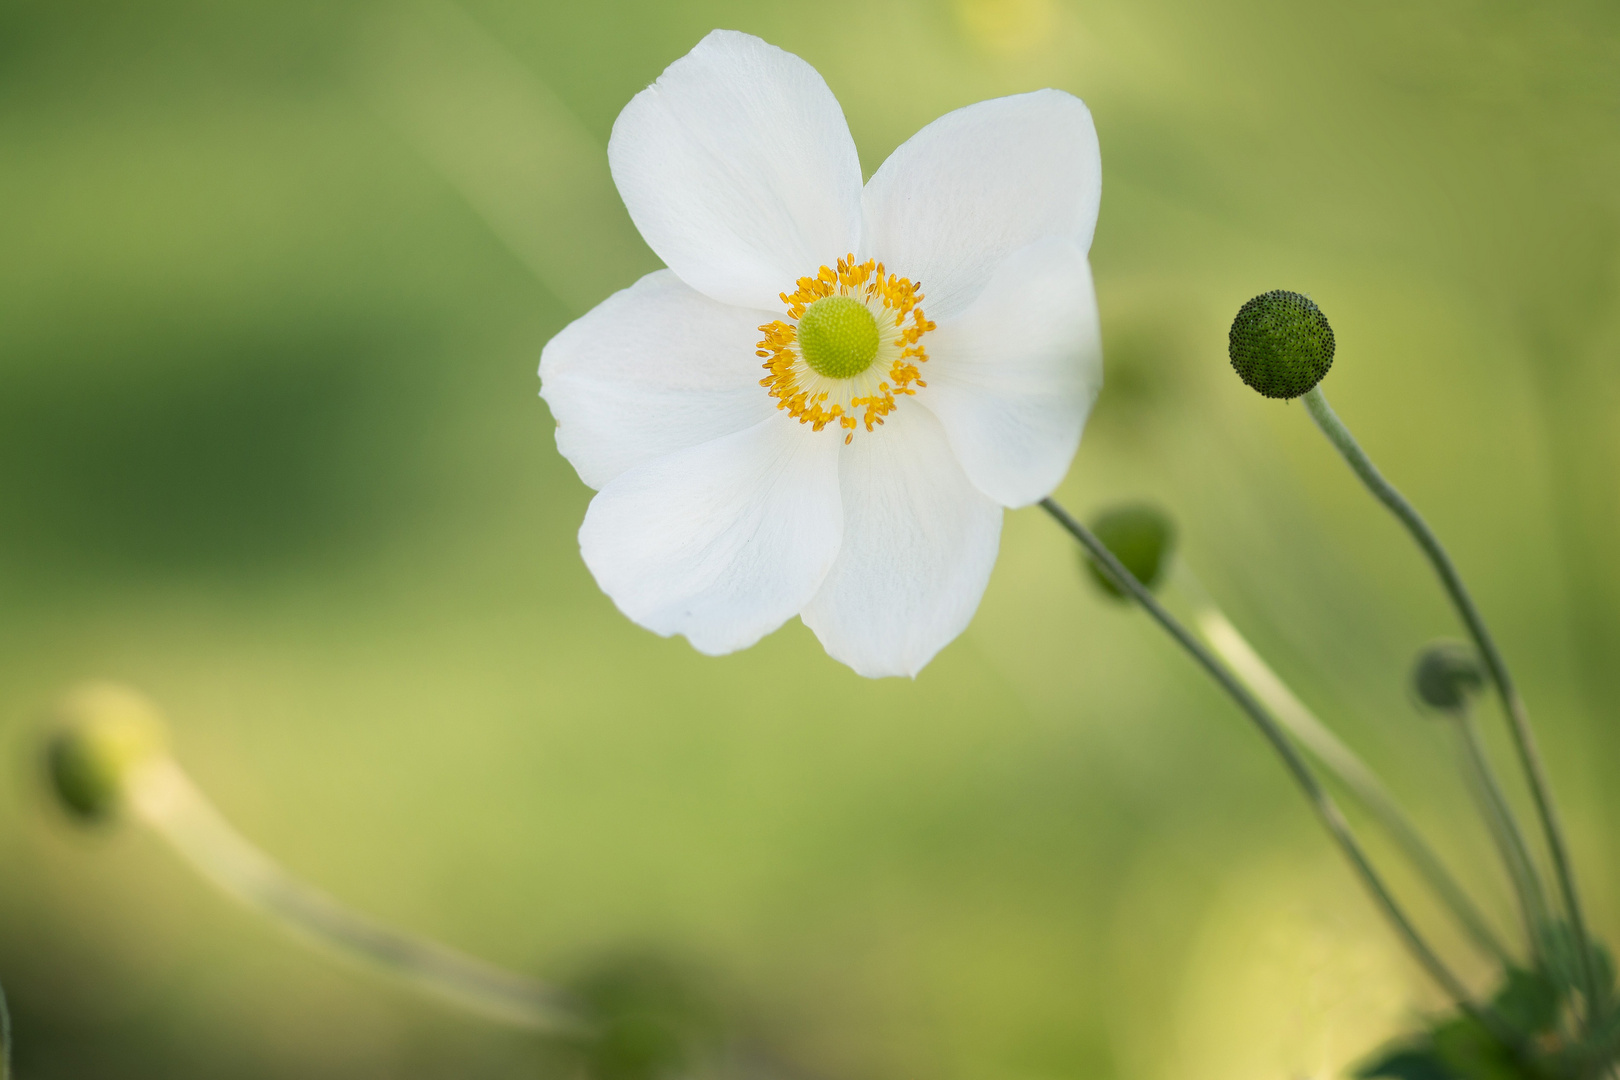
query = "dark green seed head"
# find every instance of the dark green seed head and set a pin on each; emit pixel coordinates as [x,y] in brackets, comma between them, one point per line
[1141,536]
[1281,344]
[1446,675]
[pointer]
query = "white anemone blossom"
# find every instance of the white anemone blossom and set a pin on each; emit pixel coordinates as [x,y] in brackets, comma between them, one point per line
[824,403]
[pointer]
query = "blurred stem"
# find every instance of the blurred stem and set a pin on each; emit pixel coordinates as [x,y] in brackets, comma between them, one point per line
[1335,757]
[5,1037]
[1524,740]
[1326,809]
[163,797]
[1504,827]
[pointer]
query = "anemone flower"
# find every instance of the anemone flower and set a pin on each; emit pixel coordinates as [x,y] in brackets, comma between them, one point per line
[824,403]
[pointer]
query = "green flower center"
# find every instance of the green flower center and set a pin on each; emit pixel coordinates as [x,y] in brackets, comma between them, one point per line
[838,337]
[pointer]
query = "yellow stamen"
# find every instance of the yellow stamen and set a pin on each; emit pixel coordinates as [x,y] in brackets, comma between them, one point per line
[822,394]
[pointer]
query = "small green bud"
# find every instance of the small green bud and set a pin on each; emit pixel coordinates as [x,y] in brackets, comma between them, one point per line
[1281,344]
[1446,675]
[1141,536]
[103,732]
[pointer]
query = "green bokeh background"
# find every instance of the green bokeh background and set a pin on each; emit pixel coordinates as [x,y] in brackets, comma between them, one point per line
[274,279]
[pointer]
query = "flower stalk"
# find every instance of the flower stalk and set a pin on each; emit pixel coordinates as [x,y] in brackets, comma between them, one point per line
[1337,759]
[1524,741]
[1326,809]
[5,1037]
[1504,828]
[163,797]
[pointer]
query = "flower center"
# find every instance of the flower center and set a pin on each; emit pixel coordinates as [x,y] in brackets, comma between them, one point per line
[851,346]
[838,337]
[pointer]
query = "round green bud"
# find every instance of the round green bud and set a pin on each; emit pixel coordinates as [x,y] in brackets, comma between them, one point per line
[1141,536]
[103,732]
[1281,344]
[1446,675]
[839,337]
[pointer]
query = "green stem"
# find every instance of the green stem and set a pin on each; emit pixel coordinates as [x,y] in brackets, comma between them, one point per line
[1336,758]
[1326,809]
[1504,828]
[164,798]
[1518,718]
[5,1037]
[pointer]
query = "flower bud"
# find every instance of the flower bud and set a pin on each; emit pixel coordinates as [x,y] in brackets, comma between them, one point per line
[1281,344]
[1141,536]
[1446,675]
[103,732]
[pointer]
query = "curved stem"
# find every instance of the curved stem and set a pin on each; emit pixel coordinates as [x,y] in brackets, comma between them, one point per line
[1326,809]
[1504,828]
[1338,759]
[164,798]
[1524,740]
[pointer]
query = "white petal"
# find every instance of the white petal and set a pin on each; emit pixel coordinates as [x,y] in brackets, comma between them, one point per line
[654,368]
[919,542]
[1014,377]
[978,184]
[739,170]
[721,542]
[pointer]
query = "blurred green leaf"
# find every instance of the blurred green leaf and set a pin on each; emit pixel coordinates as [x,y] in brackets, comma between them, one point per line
[1529,1001]
[1408,1063]
[1472,1053]
[656,1021]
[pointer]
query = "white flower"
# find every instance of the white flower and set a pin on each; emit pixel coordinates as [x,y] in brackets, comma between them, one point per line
[823,404]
